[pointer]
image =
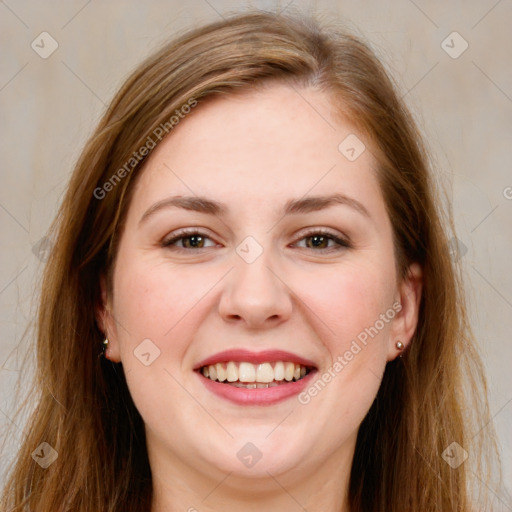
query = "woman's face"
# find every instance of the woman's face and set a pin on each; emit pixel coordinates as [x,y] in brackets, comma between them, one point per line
[277,264]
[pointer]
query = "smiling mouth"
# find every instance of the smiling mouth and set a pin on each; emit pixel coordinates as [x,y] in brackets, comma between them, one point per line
[255,376]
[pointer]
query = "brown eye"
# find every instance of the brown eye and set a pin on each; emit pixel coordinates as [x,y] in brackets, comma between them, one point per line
[195,241]
[317,241]
[187,241]
[324,241]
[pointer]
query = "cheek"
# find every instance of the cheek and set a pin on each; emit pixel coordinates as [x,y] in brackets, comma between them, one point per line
[348,306]
[158,303]
[153,298]
[164,303]
[346,301]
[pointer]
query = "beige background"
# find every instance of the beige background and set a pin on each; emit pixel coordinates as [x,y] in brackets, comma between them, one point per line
[463,105]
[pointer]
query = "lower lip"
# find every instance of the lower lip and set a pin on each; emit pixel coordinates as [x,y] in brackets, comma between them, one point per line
[257,396]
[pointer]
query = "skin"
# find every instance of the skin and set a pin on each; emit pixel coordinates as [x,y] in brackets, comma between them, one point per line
[254,151]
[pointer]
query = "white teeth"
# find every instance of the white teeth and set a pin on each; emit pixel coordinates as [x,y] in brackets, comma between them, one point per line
[231,372]
[244,374]
[221,372]
[289,370]
[279,371]
[264,373]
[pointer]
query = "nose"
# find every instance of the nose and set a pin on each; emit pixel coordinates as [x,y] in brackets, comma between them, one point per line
[255,294]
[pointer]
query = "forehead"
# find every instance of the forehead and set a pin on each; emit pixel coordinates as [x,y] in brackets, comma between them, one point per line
[264,146]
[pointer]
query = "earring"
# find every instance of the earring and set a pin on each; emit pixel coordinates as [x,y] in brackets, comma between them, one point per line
[105,347]
[399,345]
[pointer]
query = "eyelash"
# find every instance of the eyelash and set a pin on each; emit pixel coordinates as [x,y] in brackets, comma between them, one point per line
[342,243]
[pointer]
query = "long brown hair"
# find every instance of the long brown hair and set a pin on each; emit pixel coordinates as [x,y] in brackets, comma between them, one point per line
[84,410]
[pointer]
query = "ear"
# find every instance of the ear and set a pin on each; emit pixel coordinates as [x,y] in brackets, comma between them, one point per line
[106,322]
[406,319]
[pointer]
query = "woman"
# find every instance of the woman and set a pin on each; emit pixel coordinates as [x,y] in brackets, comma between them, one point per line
[253,235]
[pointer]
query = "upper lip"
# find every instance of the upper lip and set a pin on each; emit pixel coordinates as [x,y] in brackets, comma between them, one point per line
[264,356]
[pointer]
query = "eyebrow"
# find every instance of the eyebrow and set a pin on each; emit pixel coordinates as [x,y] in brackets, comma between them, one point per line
[293,206]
